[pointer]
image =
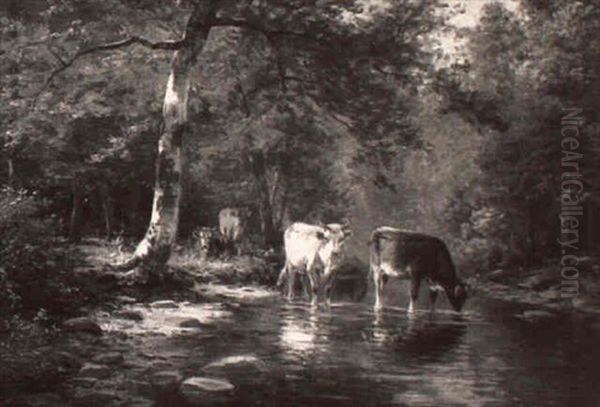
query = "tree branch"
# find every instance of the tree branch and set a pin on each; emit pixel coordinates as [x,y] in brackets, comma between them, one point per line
[163,45]
[230,22]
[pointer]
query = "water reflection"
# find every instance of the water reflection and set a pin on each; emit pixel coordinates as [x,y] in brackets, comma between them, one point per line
[424,336]
[349,355]
[300,336]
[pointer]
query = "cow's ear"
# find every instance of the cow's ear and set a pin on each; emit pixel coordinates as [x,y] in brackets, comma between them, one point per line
[321,236]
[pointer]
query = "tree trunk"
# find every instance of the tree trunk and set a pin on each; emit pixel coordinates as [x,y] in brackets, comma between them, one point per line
[77,193]
[531,235]
[259,172]
[153,252]
[104,195]
[11,172]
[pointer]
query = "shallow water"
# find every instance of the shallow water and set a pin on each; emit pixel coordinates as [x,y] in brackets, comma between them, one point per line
[350,355]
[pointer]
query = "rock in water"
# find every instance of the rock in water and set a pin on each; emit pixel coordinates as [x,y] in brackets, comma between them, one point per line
[95,371]
[206,390]
[125,299]
[82,324]
[235,362]
[109,358]
[91,398]
[164,304]
[190,323]
[184,322]
[206,384]
[246,369]
[536,316]
[166,381]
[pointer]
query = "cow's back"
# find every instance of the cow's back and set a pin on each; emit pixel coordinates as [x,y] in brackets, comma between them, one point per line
[422,253]
[230,223]
[301,242]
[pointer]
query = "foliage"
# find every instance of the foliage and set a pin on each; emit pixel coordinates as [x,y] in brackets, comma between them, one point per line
[36,273]
[521,75]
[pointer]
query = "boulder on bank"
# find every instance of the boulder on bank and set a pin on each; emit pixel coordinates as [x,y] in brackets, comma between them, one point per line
[131,315]
[587,304]
[542,280]
[82,324]
[500,275]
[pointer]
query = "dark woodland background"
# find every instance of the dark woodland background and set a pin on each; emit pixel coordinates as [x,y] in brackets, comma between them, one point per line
[464,145]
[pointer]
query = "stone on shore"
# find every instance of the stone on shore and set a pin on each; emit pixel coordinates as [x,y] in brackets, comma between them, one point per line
[82,324]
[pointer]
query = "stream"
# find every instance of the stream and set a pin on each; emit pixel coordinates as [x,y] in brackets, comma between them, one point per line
[271,352]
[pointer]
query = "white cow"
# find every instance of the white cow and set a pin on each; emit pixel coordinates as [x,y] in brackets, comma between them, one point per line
[231,226]
[308,247]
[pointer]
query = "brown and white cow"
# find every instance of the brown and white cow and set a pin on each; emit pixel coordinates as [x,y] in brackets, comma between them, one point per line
[414,256]
[309,248]
[231,226]
[209,241]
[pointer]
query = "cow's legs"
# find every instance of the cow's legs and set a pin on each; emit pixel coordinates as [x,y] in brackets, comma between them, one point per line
[433,294]
[415,284]
[378,282]
[282,275]
[314,283]
[291,283]
[327,284]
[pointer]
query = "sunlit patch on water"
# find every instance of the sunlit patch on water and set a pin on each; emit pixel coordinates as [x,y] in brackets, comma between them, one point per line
[238,293]
[166,321]
[299,335]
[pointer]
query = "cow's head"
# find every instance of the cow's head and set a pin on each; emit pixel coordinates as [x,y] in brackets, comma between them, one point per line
[458,296]
[333,236]
[204,238]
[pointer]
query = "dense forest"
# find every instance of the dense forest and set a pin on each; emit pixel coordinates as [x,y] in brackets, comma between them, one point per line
[298,111]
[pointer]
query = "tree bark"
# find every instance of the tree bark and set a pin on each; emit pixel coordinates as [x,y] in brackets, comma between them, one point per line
[104,196]
[11,172]
[259,172]
[153,252]
[77,192]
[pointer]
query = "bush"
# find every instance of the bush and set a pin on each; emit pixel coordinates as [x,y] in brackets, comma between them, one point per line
[36,273]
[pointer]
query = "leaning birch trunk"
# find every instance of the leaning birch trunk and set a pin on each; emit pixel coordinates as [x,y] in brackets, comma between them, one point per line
[153,252]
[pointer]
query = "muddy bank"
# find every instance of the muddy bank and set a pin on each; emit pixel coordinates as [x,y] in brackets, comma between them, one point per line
[544,288]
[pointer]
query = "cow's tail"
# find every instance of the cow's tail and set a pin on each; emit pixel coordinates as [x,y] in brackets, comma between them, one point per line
[374,252]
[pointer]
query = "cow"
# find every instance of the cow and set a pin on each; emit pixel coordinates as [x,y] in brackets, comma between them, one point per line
[308,247]
[208,241]
[415,256]
[231,226]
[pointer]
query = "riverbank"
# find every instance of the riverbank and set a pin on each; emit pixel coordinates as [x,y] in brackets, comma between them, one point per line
[72,359]
[542,289]
[112,351]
